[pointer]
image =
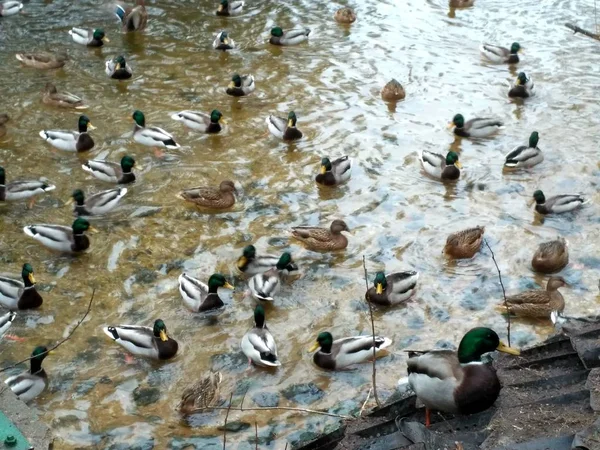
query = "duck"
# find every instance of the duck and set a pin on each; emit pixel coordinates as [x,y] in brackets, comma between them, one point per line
[393,289]
[91,37]
[461,3]
[51,96]
[290,37]
[112,172]
[393,91]
[209,197]
[334,172]
[464,244]
[152,343]
[22,189]
[151,136]
[6,321]
[437,166]
[61,238]
[16,295]
[202,395]
[118,68]
[96,204]
[497,54]
[345,15]
[223,41]
[457,381]
[523,86]
[252,264]
[323,239]
[200,297]
[71,141]
[205,123]
[345,352]
[478,127]
[132,19]
[31,383]
[282,128]
[230,8]
[42,60]
[525,156]
[241,85]
[10,8]
[551,257]
[537,303]
[263,286]
[258,343]
[557,204]
[3,119]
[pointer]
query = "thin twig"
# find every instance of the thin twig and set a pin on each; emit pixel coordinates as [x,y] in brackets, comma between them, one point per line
[502,285]
[225,425]
[273,408]
[61,342]
[362,408]
[579,30]
[243,398]
[373,333]
[256,434]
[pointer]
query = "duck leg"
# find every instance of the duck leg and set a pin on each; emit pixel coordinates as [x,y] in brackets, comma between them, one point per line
[12,337]
[427,417]
[31,202]
[129,359]
[158,152]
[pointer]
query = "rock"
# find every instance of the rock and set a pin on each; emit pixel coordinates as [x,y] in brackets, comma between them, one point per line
[393,91]
[229,362]
[303,393]
[266,399]
[85,386]
[235,426]
[440,314]
[593,384]
[197,442]
[407,341]
[145,211]
[345,15]
[346,407]
[146,276]
[145,396]
[444,345]
[173,265]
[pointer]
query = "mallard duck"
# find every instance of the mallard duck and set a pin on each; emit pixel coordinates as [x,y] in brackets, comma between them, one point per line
[258,344]
[118,68]
[61,238]
[393,289]
[290,37]
[393,91]
[209,197]
[557,204]
[51,96]
[10,8]
[71,141]
[144,341]
[112,172]
[223,41]
[17,295]
[96,204]
[437,166]
[42,60]
[21,189]
[202,395]
[537,303]
[31,383]
[252,264]
[91,38]
[457,382]
[465,243]
[479,127]
[230,8]
[323,239]
[284,129]
[205,123]
[3,119]
[151,136]
[345,15]
[132,19]
[241,85]
[498,54]
[551,257]
[336,172]
[6,321]
[525,156]
[263,286]
[341,353]
[523,86]
[199,296]
[461,3]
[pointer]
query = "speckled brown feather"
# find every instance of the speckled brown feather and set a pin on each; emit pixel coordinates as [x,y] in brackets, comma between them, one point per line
[465,243]
[209,197]
[203,394]
[538,303]
[321,238]
[42,60]
[551,257]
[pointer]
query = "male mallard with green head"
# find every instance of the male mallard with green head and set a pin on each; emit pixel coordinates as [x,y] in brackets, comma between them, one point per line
[525,155]
[392,289]
[258,343]
[557,204]
[71,141]
[263,286]
[551,257]
[240,85]
[523,86]
[290,37]
[6,321]
[497,54]
[223,41]
[149,342]
[465,243]
[31,383]
[61,238]
[112,172]
[118,68]
[334,172]
[91,38]
[252,264]
[437,166]
[230,8]
[282,128]
[96,204]
[10,8]
[205,123]
[345,352]
[21,189]
[199,296]
[17,295]
[479,127]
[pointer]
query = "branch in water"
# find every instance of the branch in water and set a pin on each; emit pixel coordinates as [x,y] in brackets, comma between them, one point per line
[502,285]
[373,334]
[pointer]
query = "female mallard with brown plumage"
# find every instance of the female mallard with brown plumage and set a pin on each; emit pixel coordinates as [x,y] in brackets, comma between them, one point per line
[132,19]
[551,257]
[457,382]
[393,91]
[3,119]
[51,96]
[537,303]
[42,60]
[345,15]
[16,295]
[209,197]
[323,239]
[465,243]
[392,289]
[202,395]
[345,352]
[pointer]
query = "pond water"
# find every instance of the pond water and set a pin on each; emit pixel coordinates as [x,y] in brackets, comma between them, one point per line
[399,218]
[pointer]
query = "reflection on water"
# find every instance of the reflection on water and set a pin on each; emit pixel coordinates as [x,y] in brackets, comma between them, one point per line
[398,216]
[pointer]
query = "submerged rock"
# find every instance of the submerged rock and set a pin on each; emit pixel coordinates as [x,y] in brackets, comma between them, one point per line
[145,396]
[266,399]
[235,426]
[303,393]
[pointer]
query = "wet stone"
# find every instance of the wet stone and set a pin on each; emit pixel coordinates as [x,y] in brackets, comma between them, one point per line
[145,211]
[196,442]
[440,314]
[146,276]
[473,301]
[407,341]
[444,345]
[359,305]
[345,407]
[414,321]
[140,444]
[303,393]
[235,426]
[521,338]
[266,399]
[229,362]
[145,396]
[85,386]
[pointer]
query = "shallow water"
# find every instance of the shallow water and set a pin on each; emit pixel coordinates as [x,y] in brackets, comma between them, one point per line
[398,216]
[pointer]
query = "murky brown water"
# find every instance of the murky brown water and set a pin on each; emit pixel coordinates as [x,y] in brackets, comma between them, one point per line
[399,217]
